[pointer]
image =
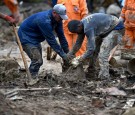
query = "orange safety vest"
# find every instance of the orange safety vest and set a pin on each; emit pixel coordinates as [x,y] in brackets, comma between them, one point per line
[76,10]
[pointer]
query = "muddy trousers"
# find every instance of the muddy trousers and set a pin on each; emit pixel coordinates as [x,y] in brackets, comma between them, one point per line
[35,54]
[92,63]
[109,42]
[102,51]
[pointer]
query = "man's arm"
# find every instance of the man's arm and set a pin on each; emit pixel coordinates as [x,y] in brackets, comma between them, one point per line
[61,36]
[47,31]
[78,44]
[90,45]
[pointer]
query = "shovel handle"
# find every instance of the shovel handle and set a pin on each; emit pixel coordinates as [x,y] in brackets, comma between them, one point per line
[113,51]
[22,54]
[11,20]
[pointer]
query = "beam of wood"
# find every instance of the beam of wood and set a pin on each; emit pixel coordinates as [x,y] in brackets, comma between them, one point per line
[32,89]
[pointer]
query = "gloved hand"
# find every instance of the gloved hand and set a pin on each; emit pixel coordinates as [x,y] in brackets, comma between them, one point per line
[66,62]
[76,61]
[68,57]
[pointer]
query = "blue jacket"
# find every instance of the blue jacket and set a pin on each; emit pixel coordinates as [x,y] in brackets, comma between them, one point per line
[41,26]
[119,26]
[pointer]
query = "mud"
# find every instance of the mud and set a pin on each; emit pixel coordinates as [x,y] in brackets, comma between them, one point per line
[73,98]
[66,93]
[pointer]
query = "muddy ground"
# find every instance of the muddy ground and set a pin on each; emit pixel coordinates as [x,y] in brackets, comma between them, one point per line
[57,93]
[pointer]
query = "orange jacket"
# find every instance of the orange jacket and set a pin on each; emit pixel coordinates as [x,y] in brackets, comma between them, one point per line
[76,10]
[128,13]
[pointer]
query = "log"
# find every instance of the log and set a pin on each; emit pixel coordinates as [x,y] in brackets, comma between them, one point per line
[114,62]
[131,66]
[32,89]
[127,56]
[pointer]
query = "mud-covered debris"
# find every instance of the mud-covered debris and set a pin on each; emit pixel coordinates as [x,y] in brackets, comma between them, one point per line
[75,74]
[113,91]
[97,102]
[129,104]
[9,69]
[130,111]
[8,108]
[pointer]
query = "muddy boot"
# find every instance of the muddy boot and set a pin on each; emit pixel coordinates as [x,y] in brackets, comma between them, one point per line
[104,76]
[33,80]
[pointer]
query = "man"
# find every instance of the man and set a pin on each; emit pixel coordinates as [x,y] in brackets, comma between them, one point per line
[39,27]
[97,28]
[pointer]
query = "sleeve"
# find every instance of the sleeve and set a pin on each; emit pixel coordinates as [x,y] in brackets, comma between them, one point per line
[78,44]
[90,45]
[61,36]
[47,31]
[124,10]
[83,8]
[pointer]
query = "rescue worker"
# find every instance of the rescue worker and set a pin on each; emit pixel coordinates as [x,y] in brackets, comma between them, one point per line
[128,16]
[14,8]
[97,27]
[76,9]
[39,27]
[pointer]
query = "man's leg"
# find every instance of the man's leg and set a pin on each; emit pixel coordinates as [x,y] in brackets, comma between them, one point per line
[109,42]
[35,54]
[91,70]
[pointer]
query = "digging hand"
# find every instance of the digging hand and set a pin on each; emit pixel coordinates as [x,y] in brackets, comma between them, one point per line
[7,18]
[68,57]
[76,61]
[67,61]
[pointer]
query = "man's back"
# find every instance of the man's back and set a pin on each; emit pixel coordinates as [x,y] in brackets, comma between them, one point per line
[99,23]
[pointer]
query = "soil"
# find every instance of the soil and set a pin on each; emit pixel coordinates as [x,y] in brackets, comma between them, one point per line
[65,93]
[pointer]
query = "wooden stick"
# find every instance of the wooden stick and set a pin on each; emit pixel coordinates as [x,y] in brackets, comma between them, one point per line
[31,89]
[22,54]
[113,51]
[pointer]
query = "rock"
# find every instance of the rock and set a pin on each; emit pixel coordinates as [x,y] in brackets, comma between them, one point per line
[8,108]
[130,111]
[8,69]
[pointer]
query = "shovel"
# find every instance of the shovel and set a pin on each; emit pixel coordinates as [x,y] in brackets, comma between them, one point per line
[10,19]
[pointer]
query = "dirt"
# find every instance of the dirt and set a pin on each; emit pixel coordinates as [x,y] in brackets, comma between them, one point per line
[65,94]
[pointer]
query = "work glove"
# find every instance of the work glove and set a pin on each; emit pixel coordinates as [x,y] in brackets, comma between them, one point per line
[10,20]
[67,61]
[77,61]
[68,57]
